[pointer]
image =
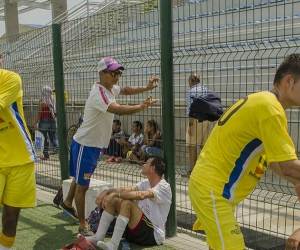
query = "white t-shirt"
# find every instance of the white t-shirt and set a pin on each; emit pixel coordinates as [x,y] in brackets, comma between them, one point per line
[120,134]
[156,209]
[133,139]
[96,127]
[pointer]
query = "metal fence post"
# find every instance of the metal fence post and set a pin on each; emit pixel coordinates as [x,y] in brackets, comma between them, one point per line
[60,101]
[166,34]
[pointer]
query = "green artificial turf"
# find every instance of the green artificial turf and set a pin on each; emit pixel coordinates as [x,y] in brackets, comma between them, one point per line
[46,228]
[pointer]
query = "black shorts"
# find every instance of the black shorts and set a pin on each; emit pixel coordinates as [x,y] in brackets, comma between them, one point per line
[142,234]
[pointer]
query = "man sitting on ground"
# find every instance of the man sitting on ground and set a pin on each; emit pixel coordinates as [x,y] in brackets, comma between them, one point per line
[114,149]
[135,141]
[142,222]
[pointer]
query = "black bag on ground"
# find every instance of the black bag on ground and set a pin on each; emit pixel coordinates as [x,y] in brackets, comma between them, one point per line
[208,107]
[58,197]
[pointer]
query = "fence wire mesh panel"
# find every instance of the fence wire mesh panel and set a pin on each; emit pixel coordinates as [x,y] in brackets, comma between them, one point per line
[235,46]
[120,30]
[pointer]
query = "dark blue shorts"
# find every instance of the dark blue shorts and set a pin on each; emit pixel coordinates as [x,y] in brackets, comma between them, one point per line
[83,162]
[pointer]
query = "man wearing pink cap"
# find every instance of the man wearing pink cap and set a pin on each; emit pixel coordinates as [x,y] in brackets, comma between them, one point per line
[94,133]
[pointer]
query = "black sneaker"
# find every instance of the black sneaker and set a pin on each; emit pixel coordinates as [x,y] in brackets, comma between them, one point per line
[70,210]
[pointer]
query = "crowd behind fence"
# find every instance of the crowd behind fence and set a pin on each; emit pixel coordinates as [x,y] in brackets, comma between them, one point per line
[236,47]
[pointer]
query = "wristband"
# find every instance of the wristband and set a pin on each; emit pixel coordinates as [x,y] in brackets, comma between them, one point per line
[119,195]
[190,124]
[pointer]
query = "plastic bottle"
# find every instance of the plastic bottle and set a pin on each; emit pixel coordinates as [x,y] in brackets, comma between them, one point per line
[125,245]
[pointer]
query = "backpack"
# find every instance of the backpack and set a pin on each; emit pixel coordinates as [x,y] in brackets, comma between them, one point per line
[94,219]
[208,107]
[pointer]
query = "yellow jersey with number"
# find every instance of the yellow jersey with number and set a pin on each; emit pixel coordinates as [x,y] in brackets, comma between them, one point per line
[251,133]
[15,141]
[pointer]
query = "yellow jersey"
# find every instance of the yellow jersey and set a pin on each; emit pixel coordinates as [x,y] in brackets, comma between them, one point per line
[15,141]
[251,133]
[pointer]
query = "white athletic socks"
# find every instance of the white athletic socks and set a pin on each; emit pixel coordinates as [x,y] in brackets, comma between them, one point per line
[107,246]
[104,223]
[120,226]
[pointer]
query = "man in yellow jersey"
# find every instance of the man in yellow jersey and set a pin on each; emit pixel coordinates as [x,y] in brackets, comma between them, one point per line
[17,181]
[249,137]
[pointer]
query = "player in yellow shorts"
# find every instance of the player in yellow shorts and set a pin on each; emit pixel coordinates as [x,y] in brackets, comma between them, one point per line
[249,137]
[220,218]
[17,181]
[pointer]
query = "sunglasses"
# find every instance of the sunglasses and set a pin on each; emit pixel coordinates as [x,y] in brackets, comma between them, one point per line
[113,73]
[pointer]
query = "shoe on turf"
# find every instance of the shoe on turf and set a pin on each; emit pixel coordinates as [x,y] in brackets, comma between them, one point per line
[84,243]
[85,231]
[70,210]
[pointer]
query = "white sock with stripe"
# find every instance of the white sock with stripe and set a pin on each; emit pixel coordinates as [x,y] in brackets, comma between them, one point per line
[120,226]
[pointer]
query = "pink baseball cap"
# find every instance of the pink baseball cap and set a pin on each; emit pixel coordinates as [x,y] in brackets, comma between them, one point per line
[109,63]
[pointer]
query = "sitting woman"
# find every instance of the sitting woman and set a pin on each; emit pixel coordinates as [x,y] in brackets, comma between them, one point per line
[135,141]
[152,145]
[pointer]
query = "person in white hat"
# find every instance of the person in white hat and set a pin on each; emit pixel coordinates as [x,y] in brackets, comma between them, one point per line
[94,133]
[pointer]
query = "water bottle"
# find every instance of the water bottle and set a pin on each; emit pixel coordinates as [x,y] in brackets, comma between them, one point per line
[125,245]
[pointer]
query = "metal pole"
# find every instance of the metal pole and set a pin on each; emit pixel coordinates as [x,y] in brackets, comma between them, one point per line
[60,100]
[166,34]
[88,8]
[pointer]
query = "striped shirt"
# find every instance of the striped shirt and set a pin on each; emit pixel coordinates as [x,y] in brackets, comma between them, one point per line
[196,90]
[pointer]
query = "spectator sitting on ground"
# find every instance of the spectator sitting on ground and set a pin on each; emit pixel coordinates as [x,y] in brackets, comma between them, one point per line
[142,210]
[114,148]
[153,143]
[135,141]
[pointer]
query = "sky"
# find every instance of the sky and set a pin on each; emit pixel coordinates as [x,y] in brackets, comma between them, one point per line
[40,16]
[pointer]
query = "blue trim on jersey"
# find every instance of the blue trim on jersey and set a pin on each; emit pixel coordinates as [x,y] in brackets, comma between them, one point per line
[20,121]
[238,168]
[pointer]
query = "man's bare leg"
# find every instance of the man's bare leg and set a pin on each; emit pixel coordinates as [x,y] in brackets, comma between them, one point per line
[193,156]
[129,213]
[10,217]
[80,205]
[70,197]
